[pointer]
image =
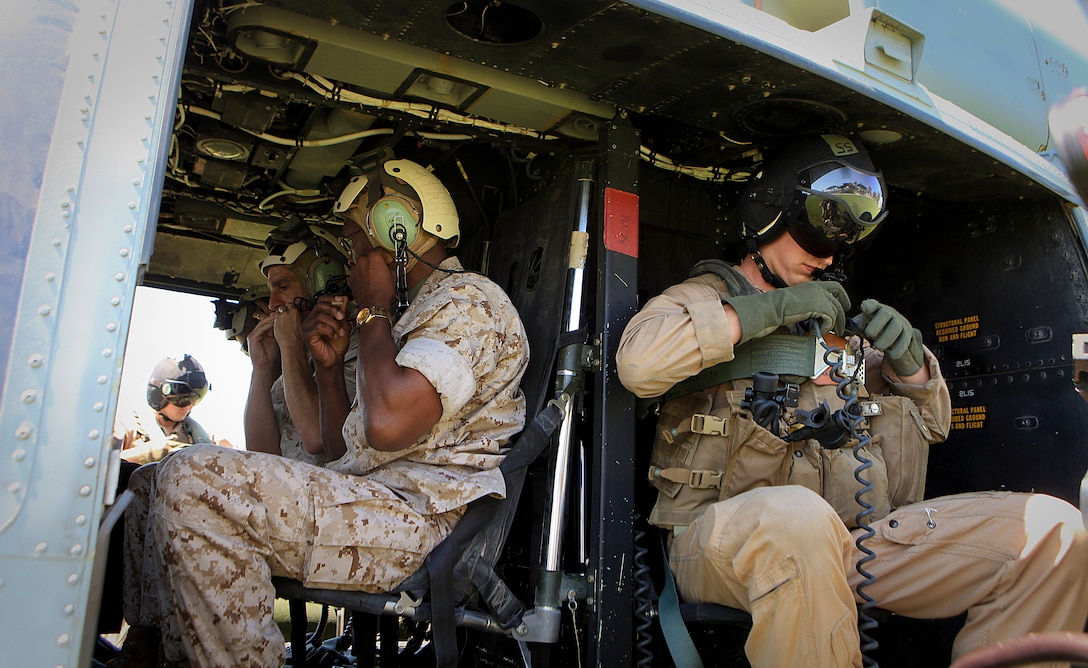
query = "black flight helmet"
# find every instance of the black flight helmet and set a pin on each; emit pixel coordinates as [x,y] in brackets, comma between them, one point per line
[821,189]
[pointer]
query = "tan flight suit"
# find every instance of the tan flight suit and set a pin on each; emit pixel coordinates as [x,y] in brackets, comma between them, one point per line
[227,520]
[150,444]
[761,524]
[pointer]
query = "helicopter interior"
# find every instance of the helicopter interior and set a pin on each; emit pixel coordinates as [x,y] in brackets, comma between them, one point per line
[282,102]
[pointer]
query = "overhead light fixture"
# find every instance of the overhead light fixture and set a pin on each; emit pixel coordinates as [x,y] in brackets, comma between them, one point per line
[271,46]
[441,89]
[223,148]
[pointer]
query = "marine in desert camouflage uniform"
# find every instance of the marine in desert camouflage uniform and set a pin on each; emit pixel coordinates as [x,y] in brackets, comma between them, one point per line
[301,265]
[437,401]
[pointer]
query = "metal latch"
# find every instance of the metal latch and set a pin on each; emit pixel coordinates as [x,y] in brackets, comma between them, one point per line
[870,408]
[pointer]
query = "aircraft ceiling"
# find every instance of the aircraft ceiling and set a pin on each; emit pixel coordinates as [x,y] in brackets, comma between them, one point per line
[282,101]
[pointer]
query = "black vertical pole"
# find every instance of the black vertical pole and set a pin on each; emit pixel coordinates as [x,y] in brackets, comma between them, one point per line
[610,639]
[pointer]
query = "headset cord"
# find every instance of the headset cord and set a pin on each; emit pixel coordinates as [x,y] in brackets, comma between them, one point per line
[436,267]
[401,260]
[846,389]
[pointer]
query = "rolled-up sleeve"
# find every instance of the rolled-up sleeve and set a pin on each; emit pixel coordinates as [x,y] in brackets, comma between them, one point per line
[446,369]
[676,335]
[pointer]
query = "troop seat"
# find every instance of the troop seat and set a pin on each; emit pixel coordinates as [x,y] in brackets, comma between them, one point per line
[457,586]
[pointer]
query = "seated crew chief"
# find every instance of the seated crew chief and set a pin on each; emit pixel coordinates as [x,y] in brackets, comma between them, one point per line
[436,403]
[761,516]
[174,389]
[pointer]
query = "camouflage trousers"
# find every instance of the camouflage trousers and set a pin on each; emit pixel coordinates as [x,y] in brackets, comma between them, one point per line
[143,587]
[229,520]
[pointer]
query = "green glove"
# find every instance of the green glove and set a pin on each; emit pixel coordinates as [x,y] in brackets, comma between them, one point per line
[889,331]
[824,301]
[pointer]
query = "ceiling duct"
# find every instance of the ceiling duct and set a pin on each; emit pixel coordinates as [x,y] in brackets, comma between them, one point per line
[390,68]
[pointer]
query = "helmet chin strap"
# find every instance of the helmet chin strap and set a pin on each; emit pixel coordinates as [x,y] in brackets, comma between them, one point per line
[765,271]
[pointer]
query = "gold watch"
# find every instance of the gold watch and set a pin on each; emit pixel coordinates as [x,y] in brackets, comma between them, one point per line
[368,313]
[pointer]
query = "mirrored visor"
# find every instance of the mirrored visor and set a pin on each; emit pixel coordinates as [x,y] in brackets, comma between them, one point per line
[182,394]
[860,193]
[842,206]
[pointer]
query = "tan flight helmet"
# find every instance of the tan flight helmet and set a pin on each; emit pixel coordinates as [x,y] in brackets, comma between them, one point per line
[409,206]
[313,254]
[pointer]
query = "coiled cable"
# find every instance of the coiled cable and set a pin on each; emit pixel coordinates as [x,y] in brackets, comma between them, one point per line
[644,612]
[846,389]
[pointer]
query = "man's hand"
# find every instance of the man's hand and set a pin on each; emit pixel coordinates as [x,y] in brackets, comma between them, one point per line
[288,329]
[372,279]
[888,330]
[761,314]
[327,331]
[264,351]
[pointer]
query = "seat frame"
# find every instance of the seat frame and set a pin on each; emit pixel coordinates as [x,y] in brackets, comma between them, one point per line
[457,585]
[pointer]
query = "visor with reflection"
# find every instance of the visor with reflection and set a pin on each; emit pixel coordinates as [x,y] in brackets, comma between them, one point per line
[842,205]
[181,393]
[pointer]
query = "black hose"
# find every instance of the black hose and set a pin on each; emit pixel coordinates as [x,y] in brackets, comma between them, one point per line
[643,602]
[314,639]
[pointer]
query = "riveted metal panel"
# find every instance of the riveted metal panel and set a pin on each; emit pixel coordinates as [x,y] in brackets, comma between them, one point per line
[95,216]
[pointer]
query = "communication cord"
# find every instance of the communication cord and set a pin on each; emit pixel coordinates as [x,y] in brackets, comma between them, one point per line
[643,602]
[401,261]
[846,389]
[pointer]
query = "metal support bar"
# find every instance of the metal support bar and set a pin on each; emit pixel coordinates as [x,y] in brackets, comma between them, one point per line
[612,476]
[568,379]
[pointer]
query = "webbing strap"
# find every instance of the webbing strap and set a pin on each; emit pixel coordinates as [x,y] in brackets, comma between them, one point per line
[441,560]
[443,628]
[676,634]
[694,478]
[783,354]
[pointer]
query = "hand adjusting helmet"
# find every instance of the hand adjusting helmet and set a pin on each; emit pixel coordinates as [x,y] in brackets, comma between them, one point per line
[822,189]
[181,383]
[313,255]
[409,206]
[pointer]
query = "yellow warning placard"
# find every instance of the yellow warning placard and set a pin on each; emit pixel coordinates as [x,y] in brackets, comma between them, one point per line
[956,329]
[969,417]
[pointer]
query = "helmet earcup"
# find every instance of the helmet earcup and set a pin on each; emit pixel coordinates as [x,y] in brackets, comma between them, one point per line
[322,272]
[392,217]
